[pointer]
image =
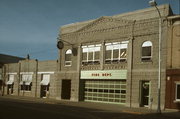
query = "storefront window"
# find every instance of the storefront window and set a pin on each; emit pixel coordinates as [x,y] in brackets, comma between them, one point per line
[91,54]
[146,51]
[116,52]
[68,60]
[177,91]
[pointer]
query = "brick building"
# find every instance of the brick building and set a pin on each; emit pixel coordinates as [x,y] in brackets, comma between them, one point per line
[111,59]
[5,59]
[117,58]
[31,78]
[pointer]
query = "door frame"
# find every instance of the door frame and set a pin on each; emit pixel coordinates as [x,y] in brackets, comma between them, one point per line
[64,83]
[141,93]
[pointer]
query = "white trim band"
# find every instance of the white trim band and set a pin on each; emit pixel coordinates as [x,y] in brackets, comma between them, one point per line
[26,72]
[13,73]
[46,72]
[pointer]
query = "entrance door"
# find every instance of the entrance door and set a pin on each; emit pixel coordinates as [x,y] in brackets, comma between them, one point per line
[145,91]
[66,89]
[10,89]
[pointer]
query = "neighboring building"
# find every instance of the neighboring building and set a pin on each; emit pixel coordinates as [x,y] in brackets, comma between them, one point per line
[173,64]
[111,59]
[5,59]
[31,78]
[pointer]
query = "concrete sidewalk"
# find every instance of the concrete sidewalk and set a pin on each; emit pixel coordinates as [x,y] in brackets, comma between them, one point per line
[99,106]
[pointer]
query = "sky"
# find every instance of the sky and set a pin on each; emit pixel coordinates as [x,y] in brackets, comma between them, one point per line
[32,26]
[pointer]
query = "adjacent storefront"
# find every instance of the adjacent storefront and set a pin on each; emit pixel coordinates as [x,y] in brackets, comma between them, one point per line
[107,86]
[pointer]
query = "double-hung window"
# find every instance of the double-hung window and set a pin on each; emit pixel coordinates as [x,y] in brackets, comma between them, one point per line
[91,54]
[68,54]
[116,52]
[146,51]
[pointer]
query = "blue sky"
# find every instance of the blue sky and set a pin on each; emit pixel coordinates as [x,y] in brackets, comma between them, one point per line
[32,26]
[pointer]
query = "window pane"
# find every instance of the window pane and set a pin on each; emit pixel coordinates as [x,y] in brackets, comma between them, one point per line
[178,91]
[90,56]
[68,57]
[123,53]
[115,53]
[69,51]
[84,56]
[147,43]
[146,51]
[96,57]
[108,54]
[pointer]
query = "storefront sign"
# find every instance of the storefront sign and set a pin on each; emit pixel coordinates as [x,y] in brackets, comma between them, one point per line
[104,74]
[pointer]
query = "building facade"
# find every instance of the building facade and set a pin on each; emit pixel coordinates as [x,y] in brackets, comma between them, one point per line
[5,59]
[173,64]
[111,59]
[31,78]
[116,58]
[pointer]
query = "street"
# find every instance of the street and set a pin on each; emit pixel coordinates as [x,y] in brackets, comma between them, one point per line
[15,108]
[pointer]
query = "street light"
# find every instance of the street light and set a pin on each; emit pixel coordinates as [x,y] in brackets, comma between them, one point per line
[153,3]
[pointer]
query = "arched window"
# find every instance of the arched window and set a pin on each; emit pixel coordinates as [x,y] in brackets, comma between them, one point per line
[146,51]
[68,60]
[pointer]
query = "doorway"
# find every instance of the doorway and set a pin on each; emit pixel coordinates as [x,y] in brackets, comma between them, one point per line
[145,93]
[66,89]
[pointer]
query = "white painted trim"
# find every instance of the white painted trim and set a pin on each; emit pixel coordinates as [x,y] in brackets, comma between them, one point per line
[26,72]
[13,73]
[50,72]
[104,74]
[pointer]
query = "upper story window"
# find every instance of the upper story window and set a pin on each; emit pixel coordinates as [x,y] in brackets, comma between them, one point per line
[91,54]
[177,98]
[68,60]
[146,51]
[116,52]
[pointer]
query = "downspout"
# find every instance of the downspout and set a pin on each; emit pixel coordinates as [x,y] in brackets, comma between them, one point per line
[80,90]
[3,83]
[172,27]
[36,73]
[131,63]
[19,77]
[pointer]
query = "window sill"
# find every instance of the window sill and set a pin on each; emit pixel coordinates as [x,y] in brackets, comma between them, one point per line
[146,61]
[115,62]
[177,101]
[25,91]
[68,65]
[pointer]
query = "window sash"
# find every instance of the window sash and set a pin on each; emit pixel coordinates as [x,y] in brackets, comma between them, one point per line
[68,57]
[146,51]
[116,51]
[26,87]
[91,53]
[123,53]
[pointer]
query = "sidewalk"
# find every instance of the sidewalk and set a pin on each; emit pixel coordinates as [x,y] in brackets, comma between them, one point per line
[99,106]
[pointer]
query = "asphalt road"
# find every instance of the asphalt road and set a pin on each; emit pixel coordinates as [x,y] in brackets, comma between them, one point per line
[14,108]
